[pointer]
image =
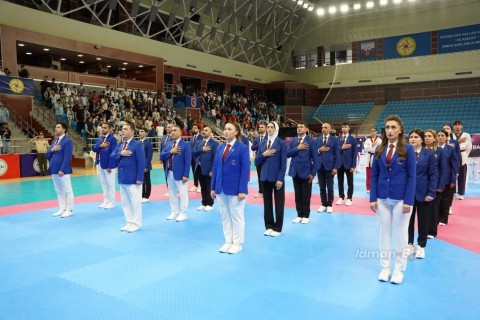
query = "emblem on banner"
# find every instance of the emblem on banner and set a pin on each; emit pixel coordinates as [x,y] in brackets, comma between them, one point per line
[193,102]
[406,46]
[16,85]
[3,167]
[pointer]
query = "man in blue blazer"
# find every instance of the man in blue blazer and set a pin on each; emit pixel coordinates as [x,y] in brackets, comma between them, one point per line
[178,156]
[329,162]
[303,166]
[255,145]
[194,139]
[148,149]
[204,154]
[129,157]
[166,139]
[104,147]
[60,154]
[348,163]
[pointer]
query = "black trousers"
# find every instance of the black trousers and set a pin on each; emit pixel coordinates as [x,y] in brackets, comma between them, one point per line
[260,183]
[42,163]
[325,181]
[205,188]
[462,179]
[271,221]
[303,194]
[433,224]
[445,204]
[147,185]
[195,175]
[340,176]
[423,210]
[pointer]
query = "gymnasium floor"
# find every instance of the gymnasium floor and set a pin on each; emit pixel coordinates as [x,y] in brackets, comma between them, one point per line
[83,267]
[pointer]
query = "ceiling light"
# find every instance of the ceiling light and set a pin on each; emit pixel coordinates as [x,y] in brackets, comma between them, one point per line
[46,49]
[29,53]
[80,55]
[300,2]
[109,66]
[357,6]
[305,5]
[370,4]
[140,66]
[124,69]
[21,44]
[320,11]
[81,62]
[310,8]
[98,58]
[63,59]
[383,2]
[397,1]
[344,8]
[125,63]
[332,10]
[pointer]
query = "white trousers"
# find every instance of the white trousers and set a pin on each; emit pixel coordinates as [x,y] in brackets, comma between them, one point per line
[107,181]
[176,188]
[233,218]
[63,188]
[131,196]
[393,223]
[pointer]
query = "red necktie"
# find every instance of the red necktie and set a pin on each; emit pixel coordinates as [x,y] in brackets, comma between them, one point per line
[170,160]
[204,143]
[125,144]
[103,139]
[390,154]
[269,144]
[299,141]
[58,140]
[227,149]
[324,140]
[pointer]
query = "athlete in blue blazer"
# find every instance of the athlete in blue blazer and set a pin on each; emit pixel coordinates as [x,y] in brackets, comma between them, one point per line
[272,155]
[60,154]
[103,148]
[255,145]
[192,141]
[148,149]
[348,158]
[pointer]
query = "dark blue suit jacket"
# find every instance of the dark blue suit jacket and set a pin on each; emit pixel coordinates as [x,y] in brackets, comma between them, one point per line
[427,175]
[304,162]
[205,159]
[148,149]
[192,144]
[396,181]
[231,176]
[256,142]
[275,166]
[181,161]
[60,160]
[131,168]
[103,154]
[452,164]
[348,156]
[330,159]
[442,167]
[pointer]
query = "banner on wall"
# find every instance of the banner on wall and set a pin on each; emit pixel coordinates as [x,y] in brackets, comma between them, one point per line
[16,86]
[9,166]
[367,50]
[475,146]
[459,39]
[187,101]
[413,45]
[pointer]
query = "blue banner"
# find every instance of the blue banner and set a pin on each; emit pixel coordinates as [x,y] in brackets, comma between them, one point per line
[367,50]
[459,39]
[16,86]
[412,45]
[187,101]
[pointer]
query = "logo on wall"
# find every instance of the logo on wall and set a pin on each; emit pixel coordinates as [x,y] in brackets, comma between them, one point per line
[367,49]
[406,46]
[16,85]
[193,102]
[3,167]
[36,166]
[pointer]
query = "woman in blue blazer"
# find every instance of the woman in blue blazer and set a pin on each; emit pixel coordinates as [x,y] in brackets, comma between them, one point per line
[272,156]
[392,194]
[231,170]
[425,192]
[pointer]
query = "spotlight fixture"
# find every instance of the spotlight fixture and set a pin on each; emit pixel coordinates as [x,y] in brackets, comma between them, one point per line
[63,59]
[80,55]
[344,8]
[370,5]
[109,66]
[310,8]
[305,5]
[300,2]
[28,53]
[332,10]
[320,12]
[140,66]
[81,62]
[383,2]
[98,58]
[219,20]
[46,49]
[242,28]
[125,63]
[357,6]
[21,44]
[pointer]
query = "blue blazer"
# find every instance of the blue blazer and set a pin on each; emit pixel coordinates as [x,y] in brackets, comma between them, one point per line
[148,149]
[205,159]
[163,143]
[452,164]
[275,166]
[103,154]
[330,159]
[231,176]
[348,156]
[458,153]
[304,162]
[396,181]
[181,161]
[427,175]
[256,142]
[193,143]
[130,169]
[443,179]
[60,160]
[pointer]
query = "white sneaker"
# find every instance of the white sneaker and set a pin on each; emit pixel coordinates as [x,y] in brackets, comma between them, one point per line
[145,200]
[409,250]
[442,224]
[259,195]
[397,277]
[384,274]
[461,197]
[430,236]
[109,206]
[66,214]
[450,211]
[329,210]
[198,190]
[58,213]
[201,208]
[305,220]
[103,204]
[348,203]
[133,228]
[166,195]
[125,227]
[181,217]
[235,248]
[322,209]
[339,201]
[297,220]
[275,233]
[172,216]
[420,253]
[208,208]
[268,232]
[225,247]
[192,189]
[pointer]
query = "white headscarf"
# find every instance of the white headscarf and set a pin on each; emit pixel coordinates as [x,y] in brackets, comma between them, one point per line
[275,134]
